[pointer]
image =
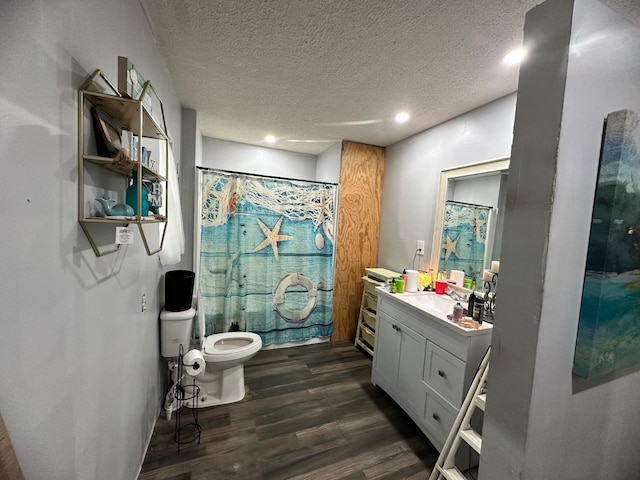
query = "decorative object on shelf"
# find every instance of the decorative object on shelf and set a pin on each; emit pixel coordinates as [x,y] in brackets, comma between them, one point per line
[110,208]
[108,134]
[146,155]
[122,159]
[132,85]
[132,193]
[155,196]
[130,82]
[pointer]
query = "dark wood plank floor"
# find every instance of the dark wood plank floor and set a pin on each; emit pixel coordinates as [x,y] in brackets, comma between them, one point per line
[310,412]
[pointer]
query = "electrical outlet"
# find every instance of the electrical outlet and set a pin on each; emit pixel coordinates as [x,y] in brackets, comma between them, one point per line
[143,303]
[420,247]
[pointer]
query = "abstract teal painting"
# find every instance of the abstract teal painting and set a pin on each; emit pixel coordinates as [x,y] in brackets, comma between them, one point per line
[608,339]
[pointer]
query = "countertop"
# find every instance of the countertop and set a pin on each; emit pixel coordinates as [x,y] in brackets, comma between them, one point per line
[436,307]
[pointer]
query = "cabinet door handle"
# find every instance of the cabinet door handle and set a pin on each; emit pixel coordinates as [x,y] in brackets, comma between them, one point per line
[395,327]
[441,373]
[436,417]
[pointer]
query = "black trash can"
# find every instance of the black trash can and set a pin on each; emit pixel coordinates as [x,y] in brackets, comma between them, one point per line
[178,290]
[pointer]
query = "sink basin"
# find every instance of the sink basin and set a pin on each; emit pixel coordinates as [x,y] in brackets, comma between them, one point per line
[439,305]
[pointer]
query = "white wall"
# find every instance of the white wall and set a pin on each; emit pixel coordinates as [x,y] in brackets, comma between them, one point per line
[240,157]
[328,164]
[80,383]
[541,421]
[412,172]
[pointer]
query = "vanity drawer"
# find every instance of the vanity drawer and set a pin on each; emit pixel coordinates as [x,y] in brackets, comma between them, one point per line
[439,416]
[444,373]
[369,319]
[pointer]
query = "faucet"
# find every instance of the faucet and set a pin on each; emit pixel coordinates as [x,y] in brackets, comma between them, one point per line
[458,297]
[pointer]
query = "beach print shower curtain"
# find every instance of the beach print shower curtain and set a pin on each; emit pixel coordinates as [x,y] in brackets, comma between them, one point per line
[266,259]
[466,231]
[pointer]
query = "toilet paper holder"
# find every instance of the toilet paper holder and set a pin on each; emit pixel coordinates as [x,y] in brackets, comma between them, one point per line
[189,432]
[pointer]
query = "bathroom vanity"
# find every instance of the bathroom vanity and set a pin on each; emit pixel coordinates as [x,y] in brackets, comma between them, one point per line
[424,361]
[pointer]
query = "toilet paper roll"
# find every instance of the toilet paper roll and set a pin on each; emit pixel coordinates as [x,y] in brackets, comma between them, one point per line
[412,281]
[193,362]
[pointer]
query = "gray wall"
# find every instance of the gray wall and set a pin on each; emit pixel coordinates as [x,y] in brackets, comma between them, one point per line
[412,172]
[80,383]
[239,157]
[541,421]
[191,156]
[328,164]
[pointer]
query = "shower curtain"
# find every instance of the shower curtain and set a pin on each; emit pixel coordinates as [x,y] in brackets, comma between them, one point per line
[466,233]
[266,256]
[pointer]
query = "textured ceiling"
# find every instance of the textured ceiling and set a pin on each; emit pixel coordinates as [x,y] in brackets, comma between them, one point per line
[312,72]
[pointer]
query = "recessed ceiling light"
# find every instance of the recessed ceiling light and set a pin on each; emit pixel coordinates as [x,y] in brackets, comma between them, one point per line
[270,139]
[514,57]
[402,117]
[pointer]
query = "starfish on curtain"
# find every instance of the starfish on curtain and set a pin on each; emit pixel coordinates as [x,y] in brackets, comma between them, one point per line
[451,247]
[272,237]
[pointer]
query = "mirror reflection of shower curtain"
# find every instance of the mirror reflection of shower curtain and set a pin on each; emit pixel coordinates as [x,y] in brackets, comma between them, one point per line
[266,256]
[467,238]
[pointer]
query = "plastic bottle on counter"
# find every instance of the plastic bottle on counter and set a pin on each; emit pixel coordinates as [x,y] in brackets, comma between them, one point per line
[457,312]
[392,286]
[404,276]
[478,311]
[400,285]
[472,301]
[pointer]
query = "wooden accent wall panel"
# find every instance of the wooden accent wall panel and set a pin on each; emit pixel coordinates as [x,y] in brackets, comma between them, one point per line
[9,466]
[361,174]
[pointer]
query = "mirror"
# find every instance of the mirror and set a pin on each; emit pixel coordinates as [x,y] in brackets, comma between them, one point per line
[475,195]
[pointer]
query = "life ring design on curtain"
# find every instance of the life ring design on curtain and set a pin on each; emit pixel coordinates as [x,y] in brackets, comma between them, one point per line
[292,280]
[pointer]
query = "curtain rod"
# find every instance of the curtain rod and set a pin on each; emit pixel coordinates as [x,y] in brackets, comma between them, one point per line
[255,175]
[471,204]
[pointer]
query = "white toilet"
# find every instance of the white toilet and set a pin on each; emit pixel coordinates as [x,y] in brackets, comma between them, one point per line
[225,354]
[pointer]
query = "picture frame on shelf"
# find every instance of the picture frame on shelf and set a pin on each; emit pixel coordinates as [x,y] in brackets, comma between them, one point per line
[132,84]
[108,133]
[130,81]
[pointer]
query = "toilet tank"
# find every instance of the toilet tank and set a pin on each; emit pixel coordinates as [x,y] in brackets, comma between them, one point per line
[175,329]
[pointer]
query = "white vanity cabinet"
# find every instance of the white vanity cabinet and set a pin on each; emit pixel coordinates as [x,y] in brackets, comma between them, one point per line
[396,364]
[425,362]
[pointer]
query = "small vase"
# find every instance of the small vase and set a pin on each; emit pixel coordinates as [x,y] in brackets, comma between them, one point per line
[131,195]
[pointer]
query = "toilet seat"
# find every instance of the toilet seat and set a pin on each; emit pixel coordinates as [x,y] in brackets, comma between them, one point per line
[230,345]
